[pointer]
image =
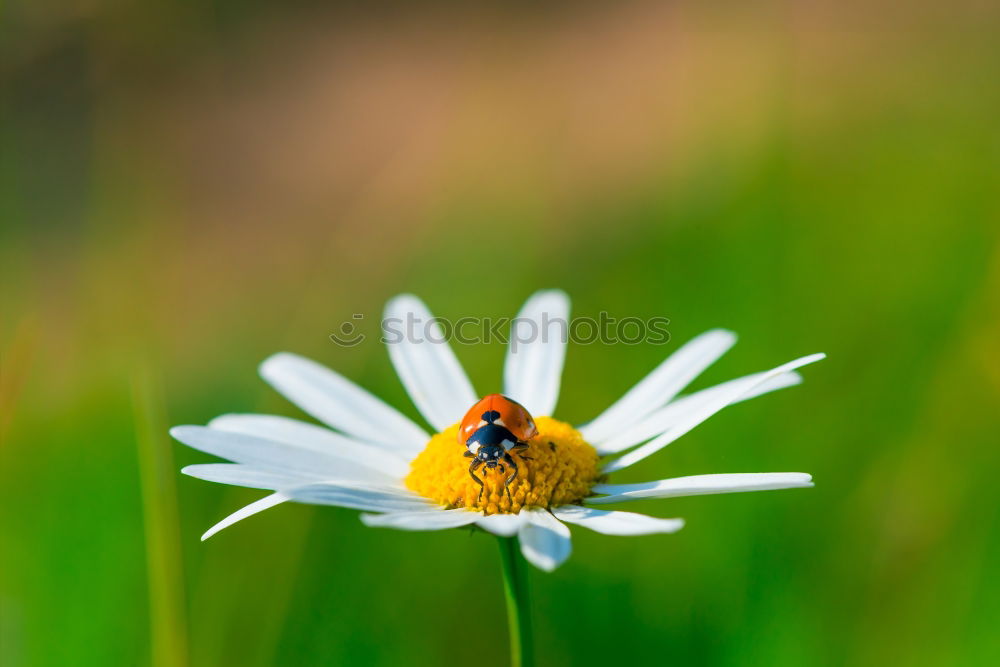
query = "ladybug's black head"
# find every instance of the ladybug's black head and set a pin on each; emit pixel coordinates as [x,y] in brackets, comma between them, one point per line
[490,455]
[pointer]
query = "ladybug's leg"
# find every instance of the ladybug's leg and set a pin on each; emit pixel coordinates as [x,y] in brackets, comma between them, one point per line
[468,454]
[509,459]
[472,472]
[518,447]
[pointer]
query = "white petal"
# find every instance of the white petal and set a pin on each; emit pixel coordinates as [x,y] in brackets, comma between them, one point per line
[302,434]
[667,416]
[338,402]
[719,401]
[660,386]
[697,485]
[617,523]
[369,498]
[264,503]
[437,519]
[425,363]
[237,474]
[275,456]
[544,540]
[504,525]
[537,349]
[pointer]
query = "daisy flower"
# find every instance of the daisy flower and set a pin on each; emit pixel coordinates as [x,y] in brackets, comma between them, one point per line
[372,458]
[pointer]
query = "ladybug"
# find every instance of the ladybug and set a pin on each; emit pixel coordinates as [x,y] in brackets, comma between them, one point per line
[492,429]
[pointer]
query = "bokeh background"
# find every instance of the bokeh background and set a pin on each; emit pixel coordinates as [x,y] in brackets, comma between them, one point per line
[186,188]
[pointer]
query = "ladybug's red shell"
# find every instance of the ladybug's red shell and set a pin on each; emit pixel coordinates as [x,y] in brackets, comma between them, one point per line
[513,416]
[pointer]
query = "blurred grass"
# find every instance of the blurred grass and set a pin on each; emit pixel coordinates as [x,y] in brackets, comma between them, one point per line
[819,180]
[168,621]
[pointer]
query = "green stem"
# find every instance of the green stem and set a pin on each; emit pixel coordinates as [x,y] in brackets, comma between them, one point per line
[515,587]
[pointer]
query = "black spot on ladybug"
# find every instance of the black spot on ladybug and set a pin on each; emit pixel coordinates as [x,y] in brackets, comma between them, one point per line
[491,416]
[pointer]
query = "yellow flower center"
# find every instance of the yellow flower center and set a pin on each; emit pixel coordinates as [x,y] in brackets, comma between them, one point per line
[561,469]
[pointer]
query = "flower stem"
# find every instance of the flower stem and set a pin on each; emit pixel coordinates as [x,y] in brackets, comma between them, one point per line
[515,587]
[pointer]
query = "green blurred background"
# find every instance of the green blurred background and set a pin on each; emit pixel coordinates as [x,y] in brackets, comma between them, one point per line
[186,188]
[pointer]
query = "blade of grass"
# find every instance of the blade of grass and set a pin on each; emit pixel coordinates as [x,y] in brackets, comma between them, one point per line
[168,628]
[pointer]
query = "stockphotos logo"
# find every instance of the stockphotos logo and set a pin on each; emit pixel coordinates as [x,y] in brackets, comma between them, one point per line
[513,331]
